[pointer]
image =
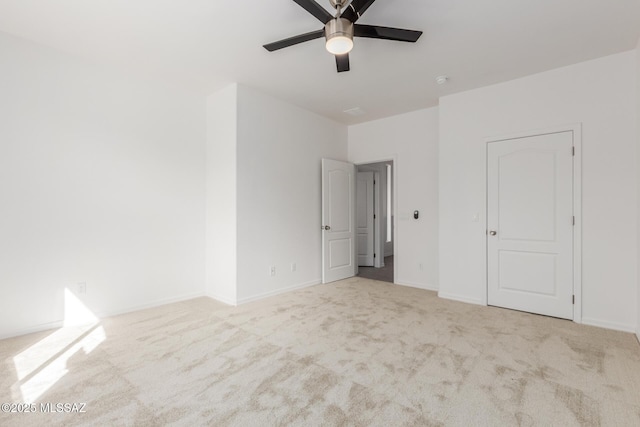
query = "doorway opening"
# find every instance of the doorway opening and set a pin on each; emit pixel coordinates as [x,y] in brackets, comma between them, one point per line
[375,221]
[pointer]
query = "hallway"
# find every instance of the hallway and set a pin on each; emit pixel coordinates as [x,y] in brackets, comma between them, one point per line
[384,274]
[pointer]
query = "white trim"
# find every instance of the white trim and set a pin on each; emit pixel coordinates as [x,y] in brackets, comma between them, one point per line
[417,285]
[535,132]
[156,303]
[577,230]
[638,335]
[378,260]
[279,291]
[224,300]
[461,298]
[576,129]
[394,195]
[33,329]
[608,325]
[101,315]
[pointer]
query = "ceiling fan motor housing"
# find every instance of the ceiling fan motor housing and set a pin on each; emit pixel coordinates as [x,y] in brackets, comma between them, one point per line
[338,27]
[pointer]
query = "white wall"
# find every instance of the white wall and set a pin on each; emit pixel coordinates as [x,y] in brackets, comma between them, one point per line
[412,140]
[101,181]
[600,94]
[280,147]
[222,112]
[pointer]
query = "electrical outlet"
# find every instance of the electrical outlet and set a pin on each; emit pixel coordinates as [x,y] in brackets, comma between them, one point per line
[272,271]
[293,267]
[82,288]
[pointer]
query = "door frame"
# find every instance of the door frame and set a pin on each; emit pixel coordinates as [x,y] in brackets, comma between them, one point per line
[576,128]
[394,185]
[378,245]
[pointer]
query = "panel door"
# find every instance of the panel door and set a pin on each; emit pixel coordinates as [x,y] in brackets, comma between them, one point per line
[338,217]
[530,224]
[364,218]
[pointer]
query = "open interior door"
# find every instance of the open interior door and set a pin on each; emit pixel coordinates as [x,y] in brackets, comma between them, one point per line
[365,218]
[338,218]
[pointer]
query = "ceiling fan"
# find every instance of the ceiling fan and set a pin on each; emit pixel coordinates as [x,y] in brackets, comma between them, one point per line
[340,30]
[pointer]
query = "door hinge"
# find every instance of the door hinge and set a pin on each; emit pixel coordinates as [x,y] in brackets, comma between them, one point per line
[573,151]
[573,299]
[374,216]
[574,220]
[374,182]
[374,255]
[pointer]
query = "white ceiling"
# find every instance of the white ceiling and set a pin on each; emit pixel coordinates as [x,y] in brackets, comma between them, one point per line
[206,44]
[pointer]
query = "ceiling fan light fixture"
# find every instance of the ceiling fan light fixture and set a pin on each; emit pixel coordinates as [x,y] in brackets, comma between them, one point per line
[339,35]
[340,29]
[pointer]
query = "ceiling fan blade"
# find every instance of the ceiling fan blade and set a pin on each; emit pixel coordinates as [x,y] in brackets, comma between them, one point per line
[294,40]
[342,62]
[386,33]
[316,10]
[356,8]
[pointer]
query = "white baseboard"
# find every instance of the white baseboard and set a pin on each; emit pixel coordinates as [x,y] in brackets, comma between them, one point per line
[155,303]
[417,285]
[460,298]
[32,329]
[279,291]
[224,300]
[609,325]
[60,323]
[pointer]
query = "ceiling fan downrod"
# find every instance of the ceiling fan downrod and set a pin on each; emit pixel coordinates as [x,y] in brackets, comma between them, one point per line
[338,4]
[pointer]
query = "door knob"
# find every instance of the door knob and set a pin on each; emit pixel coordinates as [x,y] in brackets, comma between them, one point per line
[493,233]
[325,227]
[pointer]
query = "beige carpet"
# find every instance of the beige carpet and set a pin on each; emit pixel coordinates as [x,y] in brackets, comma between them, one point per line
[356,352]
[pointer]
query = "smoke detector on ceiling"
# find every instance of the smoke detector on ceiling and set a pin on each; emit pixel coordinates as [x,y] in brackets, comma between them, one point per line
[442,79]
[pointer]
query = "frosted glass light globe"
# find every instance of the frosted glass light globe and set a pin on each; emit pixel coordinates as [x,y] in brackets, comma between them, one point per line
[339,45]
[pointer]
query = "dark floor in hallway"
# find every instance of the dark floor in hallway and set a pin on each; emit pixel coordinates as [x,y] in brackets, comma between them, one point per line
[384,274]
